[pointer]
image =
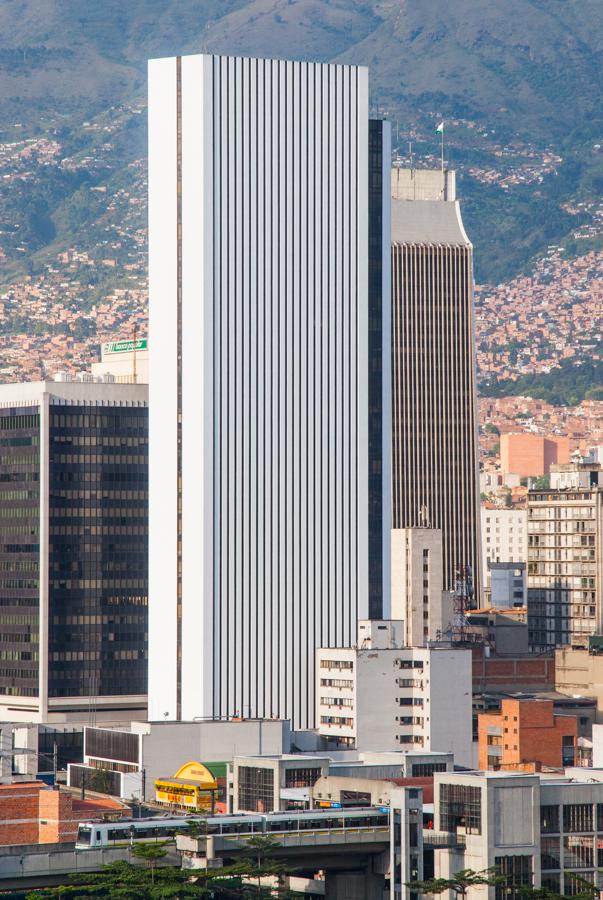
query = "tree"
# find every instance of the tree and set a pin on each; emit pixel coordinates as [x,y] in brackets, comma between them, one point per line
[459,883]
[258,853]
[150,853]
[542,483]
[195,828]
[124,880]
[587,890]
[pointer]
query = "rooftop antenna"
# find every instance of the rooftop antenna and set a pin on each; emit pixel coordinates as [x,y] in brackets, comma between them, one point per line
[134,342]
[440,131]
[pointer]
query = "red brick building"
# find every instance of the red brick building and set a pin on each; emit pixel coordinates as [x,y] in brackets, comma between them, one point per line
[512,673]
[526,735]
[33,813]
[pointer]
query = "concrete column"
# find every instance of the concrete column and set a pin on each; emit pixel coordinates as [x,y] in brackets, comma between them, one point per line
[354,886]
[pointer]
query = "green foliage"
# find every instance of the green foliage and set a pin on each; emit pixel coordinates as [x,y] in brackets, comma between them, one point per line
[567,385]
[80,61]
[542,483]
[151,854]
[459,883]
[195,828]
[585,890]
[256,862]
[124,880]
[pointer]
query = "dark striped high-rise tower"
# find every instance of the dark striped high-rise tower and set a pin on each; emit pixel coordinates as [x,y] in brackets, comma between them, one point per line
[434,433]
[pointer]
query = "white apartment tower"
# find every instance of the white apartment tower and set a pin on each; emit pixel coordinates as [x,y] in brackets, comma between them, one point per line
[417,596]
[259,296]
[382,695]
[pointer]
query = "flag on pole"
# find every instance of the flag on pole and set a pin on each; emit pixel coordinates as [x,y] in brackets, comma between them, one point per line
[440,128]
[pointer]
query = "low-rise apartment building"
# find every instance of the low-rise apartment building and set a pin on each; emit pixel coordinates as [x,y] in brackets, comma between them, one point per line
[526,734]
[423,694]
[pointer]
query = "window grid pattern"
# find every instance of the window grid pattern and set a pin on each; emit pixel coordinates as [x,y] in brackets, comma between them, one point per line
[461,808]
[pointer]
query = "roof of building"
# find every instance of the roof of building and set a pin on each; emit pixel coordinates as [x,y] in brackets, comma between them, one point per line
[96,806]
[558,698]
[428,222]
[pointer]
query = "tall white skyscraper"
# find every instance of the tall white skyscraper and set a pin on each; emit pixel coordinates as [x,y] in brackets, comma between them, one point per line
[259,460]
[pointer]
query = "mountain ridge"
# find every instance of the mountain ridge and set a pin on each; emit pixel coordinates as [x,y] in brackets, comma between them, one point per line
[515,81]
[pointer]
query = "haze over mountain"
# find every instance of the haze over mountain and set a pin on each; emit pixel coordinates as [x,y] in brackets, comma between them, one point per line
[533,65]
[513,79]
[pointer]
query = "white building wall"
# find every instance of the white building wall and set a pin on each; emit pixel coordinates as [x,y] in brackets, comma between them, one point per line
[504,536]
[163,505]
[372,692]
[258,337]
[417,582]
[450,703]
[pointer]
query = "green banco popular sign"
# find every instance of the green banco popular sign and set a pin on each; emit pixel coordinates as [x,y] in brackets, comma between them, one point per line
[125,346]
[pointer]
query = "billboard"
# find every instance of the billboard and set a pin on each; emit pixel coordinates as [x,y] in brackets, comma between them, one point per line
[125,346]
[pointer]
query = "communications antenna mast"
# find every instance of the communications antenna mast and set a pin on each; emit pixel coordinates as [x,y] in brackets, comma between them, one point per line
[462,601]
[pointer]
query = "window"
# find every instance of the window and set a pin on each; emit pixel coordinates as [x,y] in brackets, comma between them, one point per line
[578,852]
[337,683]
[551,882]
[461,808]
[256,789]
[550,853]
[336,664]
[567,750]
[301,777]
[577,817]
[424,770]
[574,884]
[549,819]
[355,798]
[517,871]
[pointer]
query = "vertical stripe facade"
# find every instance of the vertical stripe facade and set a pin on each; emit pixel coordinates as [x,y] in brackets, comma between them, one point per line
[434,446]
[272,362]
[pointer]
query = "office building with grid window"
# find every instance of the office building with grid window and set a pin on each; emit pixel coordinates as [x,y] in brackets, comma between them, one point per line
[543,831]
[73,551]
[262,492]
[565,557]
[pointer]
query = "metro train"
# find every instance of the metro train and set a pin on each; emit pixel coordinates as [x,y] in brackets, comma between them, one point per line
[107,834]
